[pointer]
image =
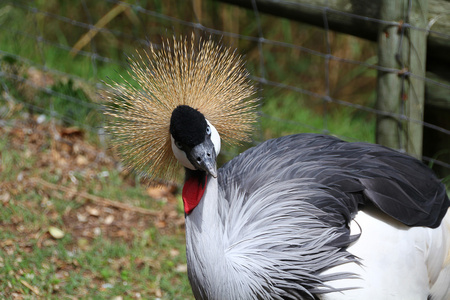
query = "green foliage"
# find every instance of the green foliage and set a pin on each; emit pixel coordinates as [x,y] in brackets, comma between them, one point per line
[72,103]
[95,258]
[290,66]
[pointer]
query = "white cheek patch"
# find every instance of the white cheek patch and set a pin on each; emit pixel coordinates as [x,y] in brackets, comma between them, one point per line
[181,155]
[215,138]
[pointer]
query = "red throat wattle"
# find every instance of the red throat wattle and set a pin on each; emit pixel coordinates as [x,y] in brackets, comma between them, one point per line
[193,191]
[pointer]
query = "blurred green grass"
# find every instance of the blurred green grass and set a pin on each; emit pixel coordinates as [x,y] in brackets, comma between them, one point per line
[286,65]
[132,255]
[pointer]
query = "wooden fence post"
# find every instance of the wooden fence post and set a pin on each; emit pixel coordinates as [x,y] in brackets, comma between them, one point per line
[416,63]
[404,49]
[388,83]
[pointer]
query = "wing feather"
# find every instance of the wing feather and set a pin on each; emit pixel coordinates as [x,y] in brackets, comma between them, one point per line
[356,174]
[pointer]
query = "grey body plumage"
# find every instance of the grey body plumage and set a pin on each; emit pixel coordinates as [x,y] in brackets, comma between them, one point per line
[283,212]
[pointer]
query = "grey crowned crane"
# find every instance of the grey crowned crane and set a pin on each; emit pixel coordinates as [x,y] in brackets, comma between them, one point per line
[304,216]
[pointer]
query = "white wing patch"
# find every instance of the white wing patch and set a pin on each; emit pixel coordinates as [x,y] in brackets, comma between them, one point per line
[397,261]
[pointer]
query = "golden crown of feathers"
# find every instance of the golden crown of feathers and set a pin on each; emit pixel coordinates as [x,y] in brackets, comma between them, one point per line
[202,74]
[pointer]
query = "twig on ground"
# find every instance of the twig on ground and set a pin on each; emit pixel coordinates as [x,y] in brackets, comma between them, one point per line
[96,199]
[30,287]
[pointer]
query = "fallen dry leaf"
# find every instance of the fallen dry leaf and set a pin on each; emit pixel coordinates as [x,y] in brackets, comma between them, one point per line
[160,224]
[4,198]
[97,231]
[81,160]
[181,268]
[174,252]
[8,242]
[161,192]
[93,211]
[82,217]
[108,220]
[56,233]
[71,132]
[39,78]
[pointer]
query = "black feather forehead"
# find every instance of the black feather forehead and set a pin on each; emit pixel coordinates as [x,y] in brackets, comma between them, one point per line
[188,125]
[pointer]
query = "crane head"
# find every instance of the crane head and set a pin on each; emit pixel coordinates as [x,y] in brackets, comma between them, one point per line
[195,141]
[192,72]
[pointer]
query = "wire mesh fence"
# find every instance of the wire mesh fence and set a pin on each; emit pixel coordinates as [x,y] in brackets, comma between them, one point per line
[55,56]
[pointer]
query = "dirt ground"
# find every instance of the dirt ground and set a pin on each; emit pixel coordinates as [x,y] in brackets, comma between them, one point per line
[53,162]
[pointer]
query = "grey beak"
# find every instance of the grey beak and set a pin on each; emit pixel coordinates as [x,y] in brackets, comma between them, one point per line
[203,157]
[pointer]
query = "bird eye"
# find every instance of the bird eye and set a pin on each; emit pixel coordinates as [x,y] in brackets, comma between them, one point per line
[208,130]
[178,144]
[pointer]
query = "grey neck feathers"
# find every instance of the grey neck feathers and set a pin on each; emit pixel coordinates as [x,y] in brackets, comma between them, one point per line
[236,250]
[204,243]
